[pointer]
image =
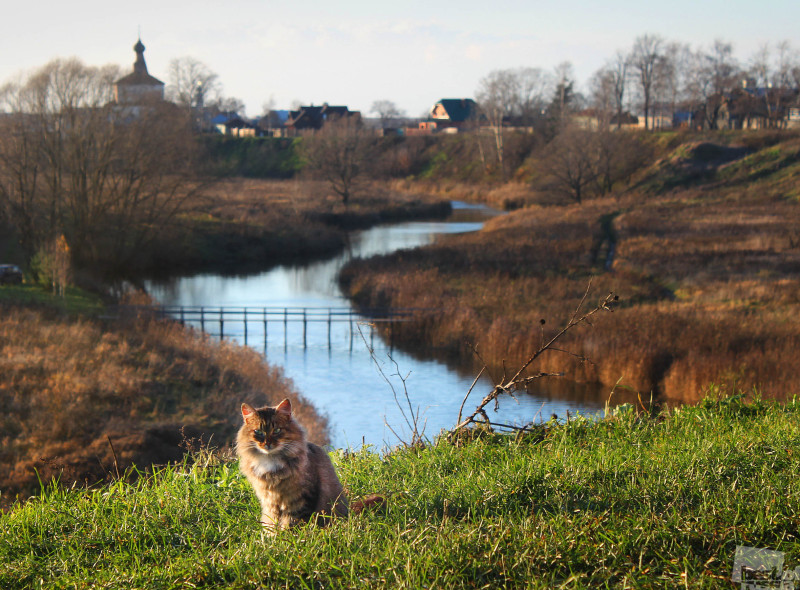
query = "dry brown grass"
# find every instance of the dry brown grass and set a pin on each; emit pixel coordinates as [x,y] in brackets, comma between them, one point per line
[240,225]
[270,203]
[504,197]
[708,275]
[68,386]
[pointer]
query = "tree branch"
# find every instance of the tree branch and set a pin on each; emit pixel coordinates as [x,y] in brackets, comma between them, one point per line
[518,382]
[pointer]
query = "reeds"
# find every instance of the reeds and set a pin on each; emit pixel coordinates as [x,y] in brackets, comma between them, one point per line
[80,398]
[708,277]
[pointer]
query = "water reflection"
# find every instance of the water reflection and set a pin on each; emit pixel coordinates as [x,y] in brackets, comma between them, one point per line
[343,379]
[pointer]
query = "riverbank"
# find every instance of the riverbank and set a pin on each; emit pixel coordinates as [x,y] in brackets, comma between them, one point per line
[240,225]
[83,398]
[701,247]
[628,501]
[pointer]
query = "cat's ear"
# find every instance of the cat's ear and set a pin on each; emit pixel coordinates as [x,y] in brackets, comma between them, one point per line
[247,411]
[285,407]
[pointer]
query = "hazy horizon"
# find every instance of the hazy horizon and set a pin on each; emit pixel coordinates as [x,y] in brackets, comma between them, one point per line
[357,52]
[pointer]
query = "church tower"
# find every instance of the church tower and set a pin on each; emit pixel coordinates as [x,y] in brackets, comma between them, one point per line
[138,87]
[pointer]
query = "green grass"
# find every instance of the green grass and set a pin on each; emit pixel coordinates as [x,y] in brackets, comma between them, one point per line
[75,301]
[623,502]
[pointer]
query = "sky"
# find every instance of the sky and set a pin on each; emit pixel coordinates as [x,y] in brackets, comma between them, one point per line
[354,52]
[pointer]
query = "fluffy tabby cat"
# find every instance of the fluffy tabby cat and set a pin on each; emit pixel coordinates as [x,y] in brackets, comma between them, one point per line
[294,479]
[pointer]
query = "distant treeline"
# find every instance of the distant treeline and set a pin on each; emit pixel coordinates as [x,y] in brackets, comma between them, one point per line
[571,166]
[251,157]
[424,157]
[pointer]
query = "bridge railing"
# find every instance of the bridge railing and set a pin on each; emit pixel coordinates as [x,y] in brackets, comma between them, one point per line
[228,321]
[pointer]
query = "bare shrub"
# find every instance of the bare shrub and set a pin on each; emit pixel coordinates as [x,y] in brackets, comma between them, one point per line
[337,153]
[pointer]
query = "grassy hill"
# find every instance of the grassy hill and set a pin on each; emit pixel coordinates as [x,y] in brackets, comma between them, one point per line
[629,501]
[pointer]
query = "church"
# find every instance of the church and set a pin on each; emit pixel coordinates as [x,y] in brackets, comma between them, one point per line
[139,87]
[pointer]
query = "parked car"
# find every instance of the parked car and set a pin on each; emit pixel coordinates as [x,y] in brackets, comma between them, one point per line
[10,274]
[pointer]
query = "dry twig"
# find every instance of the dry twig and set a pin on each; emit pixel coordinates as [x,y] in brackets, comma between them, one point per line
[411,418]
[518,382]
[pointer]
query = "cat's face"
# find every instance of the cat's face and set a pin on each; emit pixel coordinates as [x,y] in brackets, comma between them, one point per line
[269,429]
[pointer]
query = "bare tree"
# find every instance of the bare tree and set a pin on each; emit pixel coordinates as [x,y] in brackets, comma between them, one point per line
[533,86]
[716,72]
[615,157]
[618,69]
[645,57]
[787,62]
[669,82]
[571,164]
[581,164]
[270,118]
[776,78]
[721,66]
[603,96]
[338,153]
[497,95]
[72,162]
[510,97]
[387,112]
[192,83]
[565,80]
[794,70]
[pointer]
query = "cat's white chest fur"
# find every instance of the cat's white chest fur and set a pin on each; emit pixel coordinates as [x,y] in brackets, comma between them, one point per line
[265,465]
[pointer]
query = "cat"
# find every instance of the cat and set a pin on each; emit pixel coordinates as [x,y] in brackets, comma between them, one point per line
[294,479]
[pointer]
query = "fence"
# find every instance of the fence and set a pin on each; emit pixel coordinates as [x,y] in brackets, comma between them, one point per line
[240,321]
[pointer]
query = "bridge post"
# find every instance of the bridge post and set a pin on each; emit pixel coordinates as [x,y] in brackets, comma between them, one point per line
[350,317]
[245,326]
[221,323]
[265,331]
[285,329]
[305,343]
[202,319]
[329,327]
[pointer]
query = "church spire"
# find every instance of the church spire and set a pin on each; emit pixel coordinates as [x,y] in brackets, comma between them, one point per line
[139,67]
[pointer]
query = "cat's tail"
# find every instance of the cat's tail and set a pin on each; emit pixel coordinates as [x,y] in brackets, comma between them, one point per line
[371,502]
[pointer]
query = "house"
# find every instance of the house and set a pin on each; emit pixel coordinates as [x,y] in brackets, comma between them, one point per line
[625,120]
[588,119]
[311,117]
[793,115]
[233,125]
[423,128]
[138,87]
[683,119]
[271,124]
[751,107]
[655,120]
[453,114]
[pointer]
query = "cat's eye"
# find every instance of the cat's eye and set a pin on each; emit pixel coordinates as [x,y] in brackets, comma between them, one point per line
[277,431]
[259,435]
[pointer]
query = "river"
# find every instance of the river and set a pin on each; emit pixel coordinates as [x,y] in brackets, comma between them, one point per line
[363,393]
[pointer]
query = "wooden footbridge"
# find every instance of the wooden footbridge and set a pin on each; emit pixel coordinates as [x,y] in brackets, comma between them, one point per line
[256,325]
